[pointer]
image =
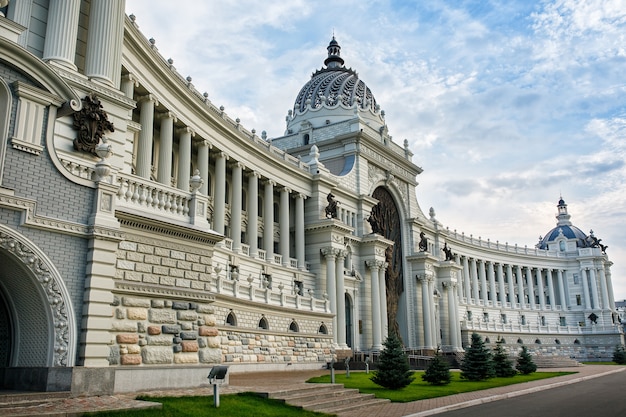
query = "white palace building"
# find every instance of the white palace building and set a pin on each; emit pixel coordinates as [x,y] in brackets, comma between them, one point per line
[146,236]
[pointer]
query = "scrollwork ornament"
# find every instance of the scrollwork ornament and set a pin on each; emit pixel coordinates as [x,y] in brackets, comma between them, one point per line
[56,300]
[91,122]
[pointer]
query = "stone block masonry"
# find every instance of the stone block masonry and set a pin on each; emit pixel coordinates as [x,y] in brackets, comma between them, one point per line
[158,331]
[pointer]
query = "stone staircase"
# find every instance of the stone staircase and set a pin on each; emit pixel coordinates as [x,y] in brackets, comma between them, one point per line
[325,398]
[543,361]
[14,403]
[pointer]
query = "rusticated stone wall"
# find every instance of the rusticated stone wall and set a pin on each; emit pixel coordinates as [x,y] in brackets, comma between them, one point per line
[162,332]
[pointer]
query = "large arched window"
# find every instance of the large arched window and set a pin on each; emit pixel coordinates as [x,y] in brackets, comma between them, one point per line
[231,320]
[263,324]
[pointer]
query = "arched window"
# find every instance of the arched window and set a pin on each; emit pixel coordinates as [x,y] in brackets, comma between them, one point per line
[557,341]
[537,341]
[263,324]
[306,138]
[577,342]
[293,327]
[487,340]
[231,320]
[562,246]
[323,329]
[520,341]
[503,341]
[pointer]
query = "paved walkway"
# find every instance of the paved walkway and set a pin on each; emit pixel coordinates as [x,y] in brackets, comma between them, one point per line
[274,381]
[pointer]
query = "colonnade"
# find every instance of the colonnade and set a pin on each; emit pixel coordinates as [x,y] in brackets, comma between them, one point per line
[491,283]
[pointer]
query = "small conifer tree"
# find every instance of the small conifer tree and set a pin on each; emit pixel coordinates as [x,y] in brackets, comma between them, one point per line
[525,362]
[393,365]
[438,372]
[478,363]
[619,355]
[503,366]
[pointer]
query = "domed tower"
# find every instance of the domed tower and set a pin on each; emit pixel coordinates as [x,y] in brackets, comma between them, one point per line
[565,236]
[334,94]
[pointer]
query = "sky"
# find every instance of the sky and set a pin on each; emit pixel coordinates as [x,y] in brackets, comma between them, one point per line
[507,105]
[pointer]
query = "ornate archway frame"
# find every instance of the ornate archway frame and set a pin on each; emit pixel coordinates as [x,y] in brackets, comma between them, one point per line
[50,281]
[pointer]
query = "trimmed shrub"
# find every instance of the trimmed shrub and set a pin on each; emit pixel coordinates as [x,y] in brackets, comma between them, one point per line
[478,362]
[393,365]
[438,372]
[525,364]
[619,355]
[503,366]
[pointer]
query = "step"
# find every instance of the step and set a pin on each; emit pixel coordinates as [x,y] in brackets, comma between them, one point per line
[304,390]
[356,406]
[9,399]
[326,404]
[316,397]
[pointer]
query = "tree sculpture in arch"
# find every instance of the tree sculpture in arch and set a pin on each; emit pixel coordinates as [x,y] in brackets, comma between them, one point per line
[385,221]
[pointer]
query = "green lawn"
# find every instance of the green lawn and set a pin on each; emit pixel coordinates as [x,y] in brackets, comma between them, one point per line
[420,390]
[602,363]
[234,405]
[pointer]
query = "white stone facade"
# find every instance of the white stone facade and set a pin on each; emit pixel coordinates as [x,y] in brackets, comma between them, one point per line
[173,238]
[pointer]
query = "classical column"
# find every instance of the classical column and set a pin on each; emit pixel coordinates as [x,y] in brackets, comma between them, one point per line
[331,286]
[606,273]
[559,276]
[61,32]
[594,288]
[104,41]
[128,85]
[235,207]
[542,296]
[382,286]
[253,213]
[492,283]
[606,304]
[300,231]
[531,290]
[184,158]
[219,200]
[550,288]
[483,282]
[500,276]
[144,147]
[434,330]
[203,165]
[341,300]
[509,275]
[452,318]
[428,341]
[520,286]
[164,172]
[474,275]
[283,225]
[585,284]
[375,267]
[466,278]
[268,221]
[20,13]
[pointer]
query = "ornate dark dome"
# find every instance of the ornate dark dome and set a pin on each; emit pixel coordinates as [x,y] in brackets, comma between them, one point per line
[338,88]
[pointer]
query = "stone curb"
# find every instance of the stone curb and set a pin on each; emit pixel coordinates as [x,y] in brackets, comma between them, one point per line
[509,395]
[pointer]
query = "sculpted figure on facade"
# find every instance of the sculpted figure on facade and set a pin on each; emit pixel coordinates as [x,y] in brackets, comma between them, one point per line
[91,122]
[423,245]
[331,208]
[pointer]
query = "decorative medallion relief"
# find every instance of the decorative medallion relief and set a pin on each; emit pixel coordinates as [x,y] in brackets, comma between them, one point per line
[91,123]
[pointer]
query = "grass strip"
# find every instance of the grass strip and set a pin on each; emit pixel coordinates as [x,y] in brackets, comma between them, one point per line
[420,390]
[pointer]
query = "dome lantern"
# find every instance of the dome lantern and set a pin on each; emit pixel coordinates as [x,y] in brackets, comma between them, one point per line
[334,59]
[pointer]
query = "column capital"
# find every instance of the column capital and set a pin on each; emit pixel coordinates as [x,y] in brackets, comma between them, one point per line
[330,252]
[166,115]
[300,195]
[131,78]
[269,182]
[376,264]
[254,174]
[285,189]
[186,129]
[148,97]
[222,154]
[204,142]
[237,164]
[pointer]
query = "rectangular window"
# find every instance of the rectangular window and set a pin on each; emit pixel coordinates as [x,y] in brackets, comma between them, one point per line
[562,321]
[578,300]
[469,315]
[576,279]
[299,287]
[485,316]
[523,319]
[503,317]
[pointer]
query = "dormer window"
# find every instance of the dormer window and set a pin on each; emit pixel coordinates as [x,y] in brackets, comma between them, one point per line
[562,246]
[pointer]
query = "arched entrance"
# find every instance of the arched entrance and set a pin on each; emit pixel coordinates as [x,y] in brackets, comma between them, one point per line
[385,221]
[36,319]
